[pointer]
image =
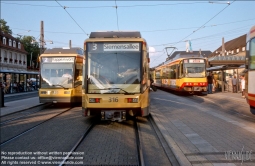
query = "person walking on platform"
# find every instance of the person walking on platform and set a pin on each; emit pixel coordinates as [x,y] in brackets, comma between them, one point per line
[210,83]
[243,86]
[234,83]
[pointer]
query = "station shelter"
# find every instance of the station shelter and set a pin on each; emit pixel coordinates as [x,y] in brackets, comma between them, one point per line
[226,67]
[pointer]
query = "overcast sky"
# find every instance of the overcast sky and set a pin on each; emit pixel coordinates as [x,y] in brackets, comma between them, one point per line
[162,23]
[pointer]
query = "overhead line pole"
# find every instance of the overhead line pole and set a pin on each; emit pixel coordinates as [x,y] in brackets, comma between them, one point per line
[42,38]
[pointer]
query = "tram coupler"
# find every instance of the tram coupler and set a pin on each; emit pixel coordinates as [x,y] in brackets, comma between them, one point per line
[113,115]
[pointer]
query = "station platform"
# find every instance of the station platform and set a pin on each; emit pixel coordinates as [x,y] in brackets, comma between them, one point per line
[201,129]
[229,94]
[20,93]
[18,105]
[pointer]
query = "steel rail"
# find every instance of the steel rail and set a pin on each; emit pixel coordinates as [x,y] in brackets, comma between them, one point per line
[40,105]
[24,132]
[89,128]
[138,143]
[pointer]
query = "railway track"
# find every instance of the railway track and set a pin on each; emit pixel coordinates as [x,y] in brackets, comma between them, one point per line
[91,128]
[19,134]
[22,113]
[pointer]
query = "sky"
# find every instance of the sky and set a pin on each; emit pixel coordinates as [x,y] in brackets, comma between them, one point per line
[161,23]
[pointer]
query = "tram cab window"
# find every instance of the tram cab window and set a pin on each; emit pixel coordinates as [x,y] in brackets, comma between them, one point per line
[194,69]
[56,74]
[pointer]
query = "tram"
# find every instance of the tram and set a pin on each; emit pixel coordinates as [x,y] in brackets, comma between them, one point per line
[250,66]
[185,75]
[116,75]
[61,75]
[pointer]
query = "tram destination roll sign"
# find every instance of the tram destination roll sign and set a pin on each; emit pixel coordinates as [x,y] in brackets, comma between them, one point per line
[58,59]
[102,47]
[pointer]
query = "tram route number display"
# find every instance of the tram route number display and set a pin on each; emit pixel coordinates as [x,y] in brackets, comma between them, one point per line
[40,158]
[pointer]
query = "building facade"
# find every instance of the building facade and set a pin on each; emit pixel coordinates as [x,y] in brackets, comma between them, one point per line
[14,76]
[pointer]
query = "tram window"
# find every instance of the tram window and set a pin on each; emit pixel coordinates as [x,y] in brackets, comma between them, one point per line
[54,73]
[77,77]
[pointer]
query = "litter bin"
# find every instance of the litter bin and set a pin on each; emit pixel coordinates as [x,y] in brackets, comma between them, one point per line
[2,97]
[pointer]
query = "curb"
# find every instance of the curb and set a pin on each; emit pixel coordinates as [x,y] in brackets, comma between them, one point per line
[181,158]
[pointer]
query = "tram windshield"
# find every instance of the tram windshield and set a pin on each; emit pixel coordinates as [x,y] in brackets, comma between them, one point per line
[114,71]
[56,75]
[194,68]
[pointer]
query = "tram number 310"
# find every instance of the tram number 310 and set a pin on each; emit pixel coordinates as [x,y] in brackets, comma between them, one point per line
[113,99]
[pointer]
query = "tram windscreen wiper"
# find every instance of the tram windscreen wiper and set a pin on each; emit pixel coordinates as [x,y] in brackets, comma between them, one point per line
[121,89]
[115,88]
[60,86]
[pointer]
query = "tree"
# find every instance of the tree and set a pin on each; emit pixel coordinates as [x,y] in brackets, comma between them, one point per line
[4,27]
[31,47]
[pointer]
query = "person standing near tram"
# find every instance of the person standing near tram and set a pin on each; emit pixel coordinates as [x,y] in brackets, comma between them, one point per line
[242,86]
[234,84]
[210,83]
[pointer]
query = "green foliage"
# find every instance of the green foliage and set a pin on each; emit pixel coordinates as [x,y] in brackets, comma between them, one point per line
[30,47]
[4,27]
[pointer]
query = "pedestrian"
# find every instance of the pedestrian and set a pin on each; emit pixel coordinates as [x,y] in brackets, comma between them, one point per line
[214,84]
[210,83]
[234,84]
[243,86]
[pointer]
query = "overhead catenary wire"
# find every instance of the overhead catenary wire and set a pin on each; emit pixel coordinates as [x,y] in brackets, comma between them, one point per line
[181,28]
[75,7]
[117,15]
[182,40]
[72,17]
[207,22]
[208,38]
[129,6]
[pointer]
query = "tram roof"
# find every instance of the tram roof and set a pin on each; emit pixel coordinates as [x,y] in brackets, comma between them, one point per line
[73,50]
[115,34]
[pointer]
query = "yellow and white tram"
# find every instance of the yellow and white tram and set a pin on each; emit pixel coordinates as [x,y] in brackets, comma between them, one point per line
[182,75]
[61,75]
[250,65]
[116,75]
